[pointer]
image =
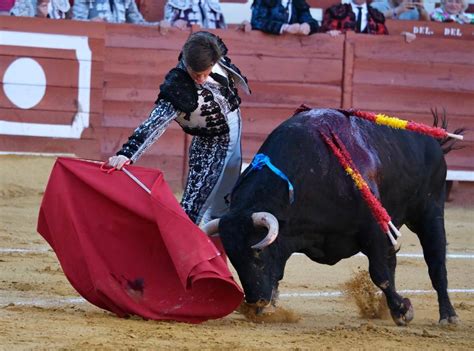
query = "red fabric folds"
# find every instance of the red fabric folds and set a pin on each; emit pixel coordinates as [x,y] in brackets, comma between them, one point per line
[131,253]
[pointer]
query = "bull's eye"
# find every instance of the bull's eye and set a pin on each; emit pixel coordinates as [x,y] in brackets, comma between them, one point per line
[256,253]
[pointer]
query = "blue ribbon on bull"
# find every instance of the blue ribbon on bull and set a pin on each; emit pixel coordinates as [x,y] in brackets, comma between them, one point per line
[261,160]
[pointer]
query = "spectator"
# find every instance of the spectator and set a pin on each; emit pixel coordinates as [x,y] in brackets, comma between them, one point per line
[30,8]
[185,13]
[452,11]
[113,11]
[402,9]
[57,9]
[24,8]
[283,16]
[356,16]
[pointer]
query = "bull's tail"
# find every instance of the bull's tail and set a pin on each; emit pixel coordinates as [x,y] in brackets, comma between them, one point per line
[447,144]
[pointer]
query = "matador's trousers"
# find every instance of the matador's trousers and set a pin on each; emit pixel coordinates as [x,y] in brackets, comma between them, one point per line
[214,167]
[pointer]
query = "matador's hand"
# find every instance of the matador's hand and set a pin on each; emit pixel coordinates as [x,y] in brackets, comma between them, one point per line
[119,161]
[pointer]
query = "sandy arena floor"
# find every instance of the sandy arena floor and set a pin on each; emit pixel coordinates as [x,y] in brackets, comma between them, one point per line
[40,310]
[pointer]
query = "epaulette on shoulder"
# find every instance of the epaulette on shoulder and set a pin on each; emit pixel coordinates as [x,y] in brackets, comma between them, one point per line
[179,89]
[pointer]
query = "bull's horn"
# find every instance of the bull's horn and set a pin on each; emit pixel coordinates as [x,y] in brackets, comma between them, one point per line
[268,220]
[211,227]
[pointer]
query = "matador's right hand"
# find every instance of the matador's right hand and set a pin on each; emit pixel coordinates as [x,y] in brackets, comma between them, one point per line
[118,161]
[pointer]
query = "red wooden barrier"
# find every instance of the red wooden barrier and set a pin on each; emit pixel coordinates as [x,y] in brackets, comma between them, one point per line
[432,29]
[64,100]
[128,63]
[407,80]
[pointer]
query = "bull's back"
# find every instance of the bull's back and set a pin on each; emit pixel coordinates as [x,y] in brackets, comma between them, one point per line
[401,167]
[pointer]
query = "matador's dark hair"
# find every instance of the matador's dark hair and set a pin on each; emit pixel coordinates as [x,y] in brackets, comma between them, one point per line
[201,51]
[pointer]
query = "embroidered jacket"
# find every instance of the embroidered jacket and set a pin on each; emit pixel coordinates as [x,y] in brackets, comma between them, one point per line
[341,17]
[113,11]
[24,8]
[206,13]
[58,9]
[270,15]
[440,15]
[199,109]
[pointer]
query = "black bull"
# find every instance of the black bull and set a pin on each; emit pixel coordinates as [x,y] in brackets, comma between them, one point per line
[328,220]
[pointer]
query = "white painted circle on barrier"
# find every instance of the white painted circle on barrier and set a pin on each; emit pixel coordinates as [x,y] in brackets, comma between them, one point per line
[24,83]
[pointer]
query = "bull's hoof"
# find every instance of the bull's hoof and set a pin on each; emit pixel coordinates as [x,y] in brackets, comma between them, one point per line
[267,314]
[453,320]
[255,309]
[405,314]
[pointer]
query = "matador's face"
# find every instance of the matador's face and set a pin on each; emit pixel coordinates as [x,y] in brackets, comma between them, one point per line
[199,77]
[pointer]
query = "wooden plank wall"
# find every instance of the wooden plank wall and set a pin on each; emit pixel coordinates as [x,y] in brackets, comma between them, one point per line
[429,29]
[310,71]
[386,74]
[283,73]
[59,104]
[382,74]
[136,61]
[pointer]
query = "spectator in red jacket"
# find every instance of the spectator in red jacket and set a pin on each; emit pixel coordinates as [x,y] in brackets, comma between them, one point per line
[356,16]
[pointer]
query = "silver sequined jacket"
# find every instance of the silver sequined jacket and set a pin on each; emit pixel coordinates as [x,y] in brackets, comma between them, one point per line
[199,109]
[206,13]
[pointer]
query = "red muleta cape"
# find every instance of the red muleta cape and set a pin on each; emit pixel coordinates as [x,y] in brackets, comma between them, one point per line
[131,253]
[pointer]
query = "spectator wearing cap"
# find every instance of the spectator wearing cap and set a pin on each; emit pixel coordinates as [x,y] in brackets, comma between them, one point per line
[283,16]
[355,16]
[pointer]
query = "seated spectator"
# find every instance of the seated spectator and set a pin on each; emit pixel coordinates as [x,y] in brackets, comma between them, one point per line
[185,13]
[356,16]
[113,11]
[402,9]
[23,8]
[283,16]
[452,11]
[40,8]
[57,9]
